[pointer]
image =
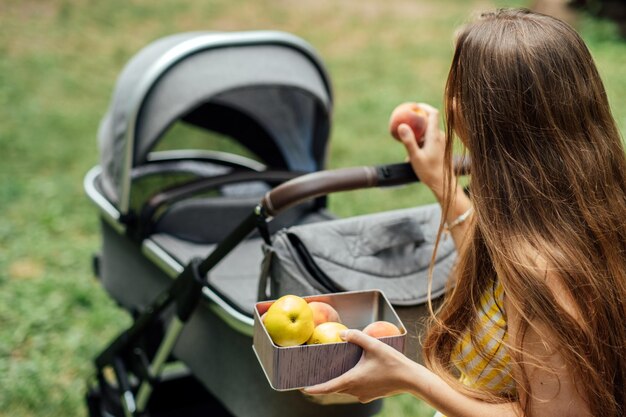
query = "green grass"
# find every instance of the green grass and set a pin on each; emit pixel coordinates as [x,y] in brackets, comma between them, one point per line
[58,63]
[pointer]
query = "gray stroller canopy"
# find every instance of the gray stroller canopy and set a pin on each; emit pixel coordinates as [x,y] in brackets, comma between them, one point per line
[267,90]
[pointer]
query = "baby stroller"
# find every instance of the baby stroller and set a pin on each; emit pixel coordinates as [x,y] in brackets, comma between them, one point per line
[192,239]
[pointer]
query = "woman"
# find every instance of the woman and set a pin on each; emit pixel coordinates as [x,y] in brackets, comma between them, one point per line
[534,322]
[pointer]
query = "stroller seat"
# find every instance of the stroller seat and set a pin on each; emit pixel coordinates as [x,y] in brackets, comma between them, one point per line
[236,277]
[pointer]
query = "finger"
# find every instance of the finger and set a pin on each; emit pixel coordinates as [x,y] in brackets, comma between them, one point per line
[361,339]
[408,140]
[342,382]
[338,384]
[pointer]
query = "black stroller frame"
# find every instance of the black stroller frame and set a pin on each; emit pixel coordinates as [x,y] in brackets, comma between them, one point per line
[189,351]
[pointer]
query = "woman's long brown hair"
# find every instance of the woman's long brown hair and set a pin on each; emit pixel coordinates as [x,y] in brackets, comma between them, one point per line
[548,181]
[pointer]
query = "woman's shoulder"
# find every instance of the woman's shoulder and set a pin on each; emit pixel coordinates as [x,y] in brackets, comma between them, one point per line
[541,269]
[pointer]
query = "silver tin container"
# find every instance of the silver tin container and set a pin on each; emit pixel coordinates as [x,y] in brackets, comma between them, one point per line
[296,367]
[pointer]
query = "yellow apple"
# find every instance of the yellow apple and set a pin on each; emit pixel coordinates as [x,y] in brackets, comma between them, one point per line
[289,321]
[326,333]
[323,312]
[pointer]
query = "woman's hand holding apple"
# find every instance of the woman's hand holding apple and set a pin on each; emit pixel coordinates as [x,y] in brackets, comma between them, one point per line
[427,159]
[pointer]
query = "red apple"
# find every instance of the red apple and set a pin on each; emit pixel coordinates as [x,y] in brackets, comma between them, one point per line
[411,114]
[326,333]
[381,329]
[323,312]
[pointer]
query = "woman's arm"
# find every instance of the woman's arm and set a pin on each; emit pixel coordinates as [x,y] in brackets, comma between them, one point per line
[383,371]
[552,385]
[428,163]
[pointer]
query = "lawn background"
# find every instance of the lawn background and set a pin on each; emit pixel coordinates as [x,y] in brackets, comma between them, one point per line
[58,65]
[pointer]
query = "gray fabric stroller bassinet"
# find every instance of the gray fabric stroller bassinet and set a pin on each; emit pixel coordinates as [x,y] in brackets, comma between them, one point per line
[191,239]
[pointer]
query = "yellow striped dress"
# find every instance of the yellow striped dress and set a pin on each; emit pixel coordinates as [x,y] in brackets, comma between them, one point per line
[490,367]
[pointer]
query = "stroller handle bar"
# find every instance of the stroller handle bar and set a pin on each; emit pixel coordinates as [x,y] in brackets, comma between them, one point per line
[320,183]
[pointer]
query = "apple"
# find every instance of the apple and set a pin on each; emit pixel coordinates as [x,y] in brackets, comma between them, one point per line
[326,333]
[381,329]
[411,114]
[323,312]
[289,321]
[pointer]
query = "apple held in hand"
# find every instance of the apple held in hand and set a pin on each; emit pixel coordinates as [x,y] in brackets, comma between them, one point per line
[326,333]
[323,312]
[289,321]
[411,114]
[381,329]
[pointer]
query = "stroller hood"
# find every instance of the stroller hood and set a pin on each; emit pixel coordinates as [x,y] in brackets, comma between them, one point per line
[211,79]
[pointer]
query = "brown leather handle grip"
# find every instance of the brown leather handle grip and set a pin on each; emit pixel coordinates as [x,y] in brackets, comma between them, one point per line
[317,184]
[320,183]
